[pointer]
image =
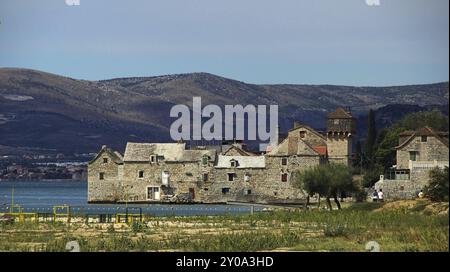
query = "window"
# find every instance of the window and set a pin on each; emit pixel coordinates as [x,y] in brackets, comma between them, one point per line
[302,134]
[205,160]
[192,193]
[284,161]
[247,192]
[153,159]
[165,175]
[105,160]
[225,190]
[234,163]
[424,139]
[141,174]
[153,193]
[101,176]
[402,174]
[231,176]
[205,177]
[284,177]
[413,155]
[336,121]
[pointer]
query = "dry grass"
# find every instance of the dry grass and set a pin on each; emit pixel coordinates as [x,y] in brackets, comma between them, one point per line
[397,226]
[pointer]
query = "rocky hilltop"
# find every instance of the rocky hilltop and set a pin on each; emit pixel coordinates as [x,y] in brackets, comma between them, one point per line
[46,112]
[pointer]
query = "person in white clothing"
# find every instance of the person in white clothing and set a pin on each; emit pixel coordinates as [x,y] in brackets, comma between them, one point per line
[421,194]
[380,195]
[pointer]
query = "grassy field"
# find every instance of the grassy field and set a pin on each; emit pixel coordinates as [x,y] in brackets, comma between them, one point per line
[396,226]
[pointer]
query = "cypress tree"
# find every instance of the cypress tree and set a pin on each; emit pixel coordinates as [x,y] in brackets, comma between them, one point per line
[357,162]
[371,138]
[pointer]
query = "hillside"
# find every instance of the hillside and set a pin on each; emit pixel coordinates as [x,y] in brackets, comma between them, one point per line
[42,111]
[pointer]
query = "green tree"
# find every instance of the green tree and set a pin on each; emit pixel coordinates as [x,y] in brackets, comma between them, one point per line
[371,138]
[372,175]
[328,180]
[438,188]
[357,160]
[385,153]
[341,181]
[434,119]
[388,139]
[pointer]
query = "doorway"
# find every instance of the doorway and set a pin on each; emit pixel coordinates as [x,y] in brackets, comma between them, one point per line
[153,193]
[192,193]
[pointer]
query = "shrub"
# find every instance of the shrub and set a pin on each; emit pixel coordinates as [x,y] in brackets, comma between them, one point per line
[438,188]
[335,231]
[138,226]
[372,175]
[110,228]
[329,180]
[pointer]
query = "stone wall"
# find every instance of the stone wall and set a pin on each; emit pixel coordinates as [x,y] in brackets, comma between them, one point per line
[122,182]
[308,135]
[107,189]
[432,149]
[430,154]
[265,185]
[339,148]
[183,177]
[399,189]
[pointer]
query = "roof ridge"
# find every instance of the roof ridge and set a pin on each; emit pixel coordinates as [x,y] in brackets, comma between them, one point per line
[417,132]
[309,128]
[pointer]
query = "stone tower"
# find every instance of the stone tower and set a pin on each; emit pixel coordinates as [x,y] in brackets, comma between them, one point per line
[341,127]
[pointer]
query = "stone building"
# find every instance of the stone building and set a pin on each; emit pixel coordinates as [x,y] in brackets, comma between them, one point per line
[169,172]
[417,153]
[341,127]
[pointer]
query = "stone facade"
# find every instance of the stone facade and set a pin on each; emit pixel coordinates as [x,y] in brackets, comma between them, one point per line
[341,127]
[339,148]
[423,146]
[104,172]
[418,152]
[154,172]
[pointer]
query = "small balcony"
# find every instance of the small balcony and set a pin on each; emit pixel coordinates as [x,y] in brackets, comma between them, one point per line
[427,165]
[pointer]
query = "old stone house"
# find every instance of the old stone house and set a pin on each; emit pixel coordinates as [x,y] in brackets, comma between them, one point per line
[169,172]
[417,153]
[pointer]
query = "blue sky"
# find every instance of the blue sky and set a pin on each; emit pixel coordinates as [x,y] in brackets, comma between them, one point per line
[257,41]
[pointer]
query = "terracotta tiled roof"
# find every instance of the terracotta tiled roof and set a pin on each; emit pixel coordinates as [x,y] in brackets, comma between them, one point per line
[406,133]
[322,150]
[340,113]
[424,131]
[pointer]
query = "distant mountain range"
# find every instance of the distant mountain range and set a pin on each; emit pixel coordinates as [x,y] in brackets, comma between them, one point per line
[43,112]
